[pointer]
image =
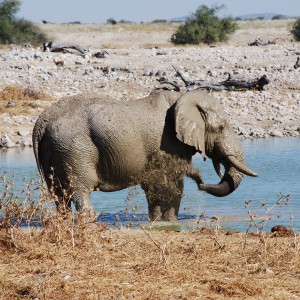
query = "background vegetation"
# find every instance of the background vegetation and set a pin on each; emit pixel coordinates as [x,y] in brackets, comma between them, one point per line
[296,30]
[15,30]
[204,27]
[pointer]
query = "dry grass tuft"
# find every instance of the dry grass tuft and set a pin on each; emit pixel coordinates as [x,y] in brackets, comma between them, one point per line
[19,93]
[15,99]
[64,260]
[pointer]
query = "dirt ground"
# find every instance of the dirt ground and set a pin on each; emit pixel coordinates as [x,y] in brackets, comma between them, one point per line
[80,261]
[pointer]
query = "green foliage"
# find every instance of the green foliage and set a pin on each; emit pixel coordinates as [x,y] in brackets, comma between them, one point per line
[296,30]
[159,21]
[278,17]
[204,27]
[14,30]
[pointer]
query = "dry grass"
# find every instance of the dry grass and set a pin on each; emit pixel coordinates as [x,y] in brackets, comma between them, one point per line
[101,28]
[82,259]
[89,261]
[52,29]
[148,35]
[24,99]
[265,24]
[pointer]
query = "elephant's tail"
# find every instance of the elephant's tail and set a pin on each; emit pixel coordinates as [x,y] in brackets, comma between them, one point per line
[37,136]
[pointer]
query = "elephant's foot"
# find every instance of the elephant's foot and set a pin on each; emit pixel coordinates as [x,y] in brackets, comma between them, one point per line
[157,214]
[170,215]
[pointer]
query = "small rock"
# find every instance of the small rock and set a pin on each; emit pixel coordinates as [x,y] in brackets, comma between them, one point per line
[23,133]
[276,133]
[268,271]
[281,231]
[6,142]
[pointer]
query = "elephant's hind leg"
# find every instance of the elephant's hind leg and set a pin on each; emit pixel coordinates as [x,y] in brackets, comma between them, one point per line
[58,193]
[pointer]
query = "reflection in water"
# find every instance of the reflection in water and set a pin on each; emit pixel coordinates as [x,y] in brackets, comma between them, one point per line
[276,160]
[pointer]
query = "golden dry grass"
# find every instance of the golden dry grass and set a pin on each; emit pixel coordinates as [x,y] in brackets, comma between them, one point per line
[90,28]
[89,261]
[265,24]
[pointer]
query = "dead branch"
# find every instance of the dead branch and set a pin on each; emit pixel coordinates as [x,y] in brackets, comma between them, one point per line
[102,54]
[297,64]
[176,86]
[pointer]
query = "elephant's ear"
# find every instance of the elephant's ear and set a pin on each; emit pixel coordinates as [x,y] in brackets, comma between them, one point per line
[189,121]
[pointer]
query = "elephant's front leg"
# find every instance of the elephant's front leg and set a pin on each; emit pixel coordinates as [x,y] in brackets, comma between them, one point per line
[164,198]
[82,202]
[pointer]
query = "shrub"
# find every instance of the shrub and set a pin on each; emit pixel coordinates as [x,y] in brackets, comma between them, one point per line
[279,17]
[111,21]
[204,27]
[295,31]
[159,21]
[14,30]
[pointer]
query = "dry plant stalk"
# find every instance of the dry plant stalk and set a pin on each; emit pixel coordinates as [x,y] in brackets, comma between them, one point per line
[259,223]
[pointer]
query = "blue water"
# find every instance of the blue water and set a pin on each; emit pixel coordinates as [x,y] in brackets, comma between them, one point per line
[275,159]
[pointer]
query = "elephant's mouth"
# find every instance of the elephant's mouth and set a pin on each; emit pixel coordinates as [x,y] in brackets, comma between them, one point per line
[231,179]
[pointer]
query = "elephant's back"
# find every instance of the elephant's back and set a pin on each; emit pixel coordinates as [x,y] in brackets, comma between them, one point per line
[136,122]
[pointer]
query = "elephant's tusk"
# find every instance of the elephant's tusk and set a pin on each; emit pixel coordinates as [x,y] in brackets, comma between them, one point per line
[240,167]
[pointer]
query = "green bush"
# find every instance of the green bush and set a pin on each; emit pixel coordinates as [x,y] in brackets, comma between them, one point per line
[14,30]
[204,27]
[296,30]
[159,21]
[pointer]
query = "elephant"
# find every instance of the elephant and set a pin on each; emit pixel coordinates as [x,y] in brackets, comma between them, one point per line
[91,143]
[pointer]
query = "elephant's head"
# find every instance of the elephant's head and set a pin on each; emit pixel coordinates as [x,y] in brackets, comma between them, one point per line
[202,123]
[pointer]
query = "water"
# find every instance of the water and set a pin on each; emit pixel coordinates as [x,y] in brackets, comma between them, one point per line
[275,159]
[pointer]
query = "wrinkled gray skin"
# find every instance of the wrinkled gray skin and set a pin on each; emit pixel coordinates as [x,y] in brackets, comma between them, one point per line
[89,143]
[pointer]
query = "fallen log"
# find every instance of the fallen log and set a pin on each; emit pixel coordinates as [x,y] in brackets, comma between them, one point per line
[260,42]
[50,46]
[230,84]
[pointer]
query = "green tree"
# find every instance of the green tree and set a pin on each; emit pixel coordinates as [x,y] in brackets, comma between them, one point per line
[15,30]
[204,27]
[295,31]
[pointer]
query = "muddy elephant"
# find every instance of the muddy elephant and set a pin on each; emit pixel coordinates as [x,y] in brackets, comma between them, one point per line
[91,143]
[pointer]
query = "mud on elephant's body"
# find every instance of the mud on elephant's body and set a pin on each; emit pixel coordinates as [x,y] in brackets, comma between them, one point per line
[89,143]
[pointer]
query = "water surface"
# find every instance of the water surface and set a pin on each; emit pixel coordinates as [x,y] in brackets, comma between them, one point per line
[275,159]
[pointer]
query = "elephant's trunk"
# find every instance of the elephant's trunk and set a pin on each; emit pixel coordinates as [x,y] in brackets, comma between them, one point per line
[234,172]
[229,182]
